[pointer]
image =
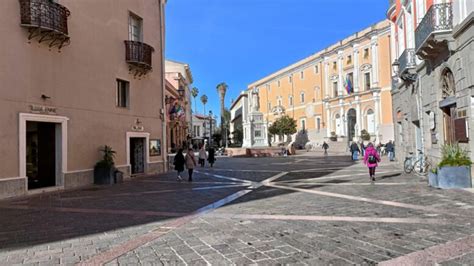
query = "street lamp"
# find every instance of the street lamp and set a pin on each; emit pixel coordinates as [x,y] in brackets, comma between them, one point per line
[181,92]
[210,128]
[396,67]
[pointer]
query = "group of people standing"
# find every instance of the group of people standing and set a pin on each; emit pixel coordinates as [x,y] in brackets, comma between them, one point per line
[180,161]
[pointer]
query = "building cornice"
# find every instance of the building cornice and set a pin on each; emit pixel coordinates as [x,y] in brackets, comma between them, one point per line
[323,54]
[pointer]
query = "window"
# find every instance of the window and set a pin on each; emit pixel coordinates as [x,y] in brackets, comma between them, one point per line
[302,97]
[334,65]
[367,81]
[135,28]
[366,53]
[290,100]
[122,93]
[349,59]
[278,83]
[318,124]
[316,69]
[303,124]
[290,79]
[335,89]
[301,75]
[279,101]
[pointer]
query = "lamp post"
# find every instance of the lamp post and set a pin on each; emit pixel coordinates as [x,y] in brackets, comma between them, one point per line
[210,128]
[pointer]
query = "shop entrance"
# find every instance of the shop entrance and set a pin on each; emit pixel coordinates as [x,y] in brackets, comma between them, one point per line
[41,154]
[137,155]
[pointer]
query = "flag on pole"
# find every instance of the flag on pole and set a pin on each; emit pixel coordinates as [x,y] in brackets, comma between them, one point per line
[349,88]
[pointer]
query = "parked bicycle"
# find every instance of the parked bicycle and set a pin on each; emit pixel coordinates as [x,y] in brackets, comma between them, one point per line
[421,165]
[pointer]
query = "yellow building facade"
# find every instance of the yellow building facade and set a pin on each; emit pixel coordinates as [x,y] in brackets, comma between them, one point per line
[339,91]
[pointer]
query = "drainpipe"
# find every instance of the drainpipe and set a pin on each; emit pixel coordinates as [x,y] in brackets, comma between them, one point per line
[163,80]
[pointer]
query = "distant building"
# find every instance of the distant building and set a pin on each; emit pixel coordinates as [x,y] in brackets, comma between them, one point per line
[201,130]
[341,90]
[432,48]
[78,75]
[238,109]
[179,132]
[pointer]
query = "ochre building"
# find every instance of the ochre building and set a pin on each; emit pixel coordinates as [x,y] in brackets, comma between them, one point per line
[337,92]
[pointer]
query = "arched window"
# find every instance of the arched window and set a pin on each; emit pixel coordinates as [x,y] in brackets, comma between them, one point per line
[447,84]
[371,121]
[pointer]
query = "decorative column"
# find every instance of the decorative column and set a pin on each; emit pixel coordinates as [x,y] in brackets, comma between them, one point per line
[343,120]
[340,82]
[375,61]
[326,77]
[328,119]
[377,114]
[356,69]
[358,126]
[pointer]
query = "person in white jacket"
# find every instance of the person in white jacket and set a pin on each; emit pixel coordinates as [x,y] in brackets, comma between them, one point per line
[202,156]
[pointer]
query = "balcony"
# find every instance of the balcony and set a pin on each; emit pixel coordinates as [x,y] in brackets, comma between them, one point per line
[407,61]
[46,21]
[434,31]
[138,56]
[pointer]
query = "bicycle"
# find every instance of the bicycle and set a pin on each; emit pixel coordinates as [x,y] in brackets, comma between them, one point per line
[421,166]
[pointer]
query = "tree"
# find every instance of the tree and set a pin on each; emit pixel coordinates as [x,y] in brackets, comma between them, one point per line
[238,135]
[204,101]
[222,89]
[284,125]
[194,93]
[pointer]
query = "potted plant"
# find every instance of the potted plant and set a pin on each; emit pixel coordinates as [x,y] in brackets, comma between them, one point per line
[104,170]
[333,136]
[433,177]
[454,170]
[364,135]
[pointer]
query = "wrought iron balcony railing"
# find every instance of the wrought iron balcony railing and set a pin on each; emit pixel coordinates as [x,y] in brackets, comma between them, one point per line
[407,60]
[138,55]
[46,20]
[438,19]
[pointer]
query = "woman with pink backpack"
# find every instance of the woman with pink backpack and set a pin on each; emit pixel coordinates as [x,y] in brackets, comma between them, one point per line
[371,159]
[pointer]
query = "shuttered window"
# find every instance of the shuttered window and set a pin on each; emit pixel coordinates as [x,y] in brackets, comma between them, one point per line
[460,130]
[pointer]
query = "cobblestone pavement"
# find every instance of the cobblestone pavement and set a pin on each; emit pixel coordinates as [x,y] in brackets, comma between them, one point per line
[302,210]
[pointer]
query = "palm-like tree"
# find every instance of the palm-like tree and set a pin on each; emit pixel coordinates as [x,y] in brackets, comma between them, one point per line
[221,89]
[194,93]
[204,101]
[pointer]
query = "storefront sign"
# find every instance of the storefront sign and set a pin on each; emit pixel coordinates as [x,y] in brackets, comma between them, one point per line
[39,109]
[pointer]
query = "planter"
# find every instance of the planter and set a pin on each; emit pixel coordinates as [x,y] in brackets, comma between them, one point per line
[104,175]
[433,179]
[454,177]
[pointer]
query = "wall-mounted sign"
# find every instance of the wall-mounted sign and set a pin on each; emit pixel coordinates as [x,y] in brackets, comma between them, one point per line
[138,126]
[39,109]
[432,120]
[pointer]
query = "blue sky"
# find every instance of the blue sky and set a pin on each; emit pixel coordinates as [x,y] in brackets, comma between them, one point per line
[241,41]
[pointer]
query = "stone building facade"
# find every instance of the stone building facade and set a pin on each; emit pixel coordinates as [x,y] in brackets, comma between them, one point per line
[78,75]
[433,92]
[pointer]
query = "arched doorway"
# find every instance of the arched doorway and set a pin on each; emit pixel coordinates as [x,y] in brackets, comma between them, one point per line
[370,122]
[351,122]
[448,105]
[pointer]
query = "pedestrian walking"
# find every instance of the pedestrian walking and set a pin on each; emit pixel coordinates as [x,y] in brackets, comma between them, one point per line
[202,156]
[190,163]
[212,157]
[179,162]
[355,151]
[325,147]
[371,159]
[389,148]
[362,148]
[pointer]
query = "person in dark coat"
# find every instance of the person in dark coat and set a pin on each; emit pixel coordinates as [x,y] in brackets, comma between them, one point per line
[389,148]
[211,158]
[355,151]
[179,162]
[325,146]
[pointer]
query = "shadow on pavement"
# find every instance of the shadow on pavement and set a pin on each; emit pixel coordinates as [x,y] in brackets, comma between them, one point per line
[63,215]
